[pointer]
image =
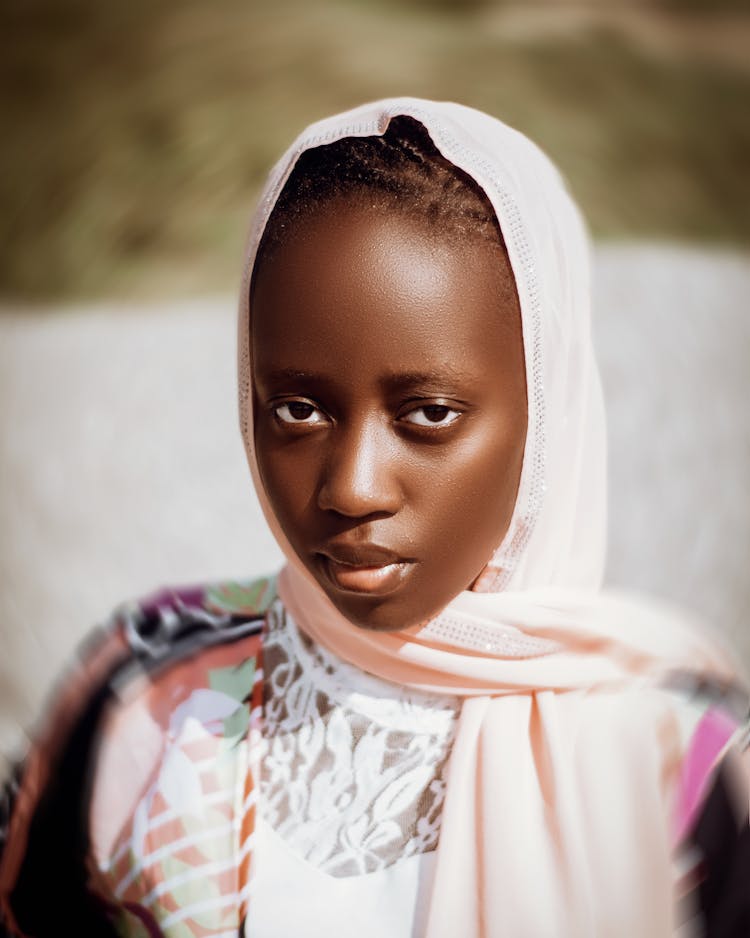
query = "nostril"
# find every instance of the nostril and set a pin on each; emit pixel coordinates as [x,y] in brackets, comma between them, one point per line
[352,501]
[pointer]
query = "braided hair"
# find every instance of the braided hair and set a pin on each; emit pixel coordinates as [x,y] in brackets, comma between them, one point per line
[402,169]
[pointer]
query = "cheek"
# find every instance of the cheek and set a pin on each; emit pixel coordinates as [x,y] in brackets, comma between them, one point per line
[466,502]
[288,479]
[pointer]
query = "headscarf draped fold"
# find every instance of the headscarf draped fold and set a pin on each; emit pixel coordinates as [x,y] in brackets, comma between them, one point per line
[557,818]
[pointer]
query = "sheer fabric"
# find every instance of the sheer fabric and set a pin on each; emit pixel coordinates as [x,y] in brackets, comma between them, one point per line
[352,768]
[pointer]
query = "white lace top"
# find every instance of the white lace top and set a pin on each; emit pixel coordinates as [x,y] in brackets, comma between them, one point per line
[351,792]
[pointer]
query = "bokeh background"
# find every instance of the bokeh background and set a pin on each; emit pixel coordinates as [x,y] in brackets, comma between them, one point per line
[135,136]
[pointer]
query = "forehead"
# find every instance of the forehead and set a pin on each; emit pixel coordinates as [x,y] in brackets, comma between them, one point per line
[366,286]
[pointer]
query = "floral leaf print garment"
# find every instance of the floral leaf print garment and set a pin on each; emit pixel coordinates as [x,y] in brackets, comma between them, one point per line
[173,861]
[135,808]
[176,861]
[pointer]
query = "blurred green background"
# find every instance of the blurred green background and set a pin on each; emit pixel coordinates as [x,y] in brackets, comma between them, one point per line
[136,134]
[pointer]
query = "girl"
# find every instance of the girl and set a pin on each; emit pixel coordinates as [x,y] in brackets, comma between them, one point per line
[433,722]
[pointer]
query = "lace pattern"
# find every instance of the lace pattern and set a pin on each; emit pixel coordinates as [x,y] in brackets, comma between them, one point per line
[352,768]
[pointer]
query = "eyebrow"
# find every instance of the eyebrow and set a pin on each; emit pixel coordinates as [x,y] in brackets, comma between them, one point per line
[410,379]
[292,374]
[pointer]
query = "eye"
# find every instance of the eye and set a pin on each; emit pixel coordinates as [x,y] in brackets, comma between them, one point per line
[301,413]
[432,415]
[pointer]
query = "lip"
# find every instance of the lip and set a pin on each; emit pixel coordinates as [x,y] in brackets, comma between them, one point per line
[364,568]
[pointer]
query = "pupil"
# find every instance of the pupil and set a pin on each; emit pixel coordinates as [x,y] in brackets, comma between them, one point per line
[435,412]
[299,410]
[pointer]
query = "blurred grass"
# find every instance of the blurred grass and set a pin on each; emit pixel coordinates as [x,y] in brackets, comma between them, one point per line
[136,135]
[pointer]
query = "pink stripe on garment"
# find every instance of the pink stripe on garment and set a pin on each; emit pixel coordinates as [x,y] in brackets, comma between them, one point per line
[709,739]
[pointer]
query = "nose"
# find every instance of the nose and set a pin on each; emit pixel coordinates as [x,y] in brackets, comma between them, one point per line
[360,476]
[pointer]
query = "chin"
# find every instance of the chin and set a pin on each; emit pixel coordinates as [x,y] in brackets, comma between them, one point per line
[377,613]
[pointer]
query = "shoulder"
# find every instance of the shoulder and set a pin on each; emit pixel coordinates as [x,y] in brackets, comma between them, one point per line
[154,652]
[155,625]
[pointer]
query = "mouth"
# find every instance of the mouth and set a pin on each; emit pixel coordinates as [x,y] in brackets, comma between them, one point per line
[365,569]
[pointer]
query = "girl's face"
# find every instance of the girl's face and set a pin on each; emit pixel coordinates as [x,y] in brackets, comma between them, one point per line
[390,407]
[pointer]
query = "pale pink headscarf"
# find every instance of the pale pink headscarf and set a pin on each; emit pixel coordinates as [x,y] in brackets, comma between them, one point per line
[557,819]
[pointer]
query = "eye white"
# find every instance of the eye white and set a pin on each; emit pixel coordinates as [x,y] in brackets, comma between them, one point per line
[310,416]
[419,416]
